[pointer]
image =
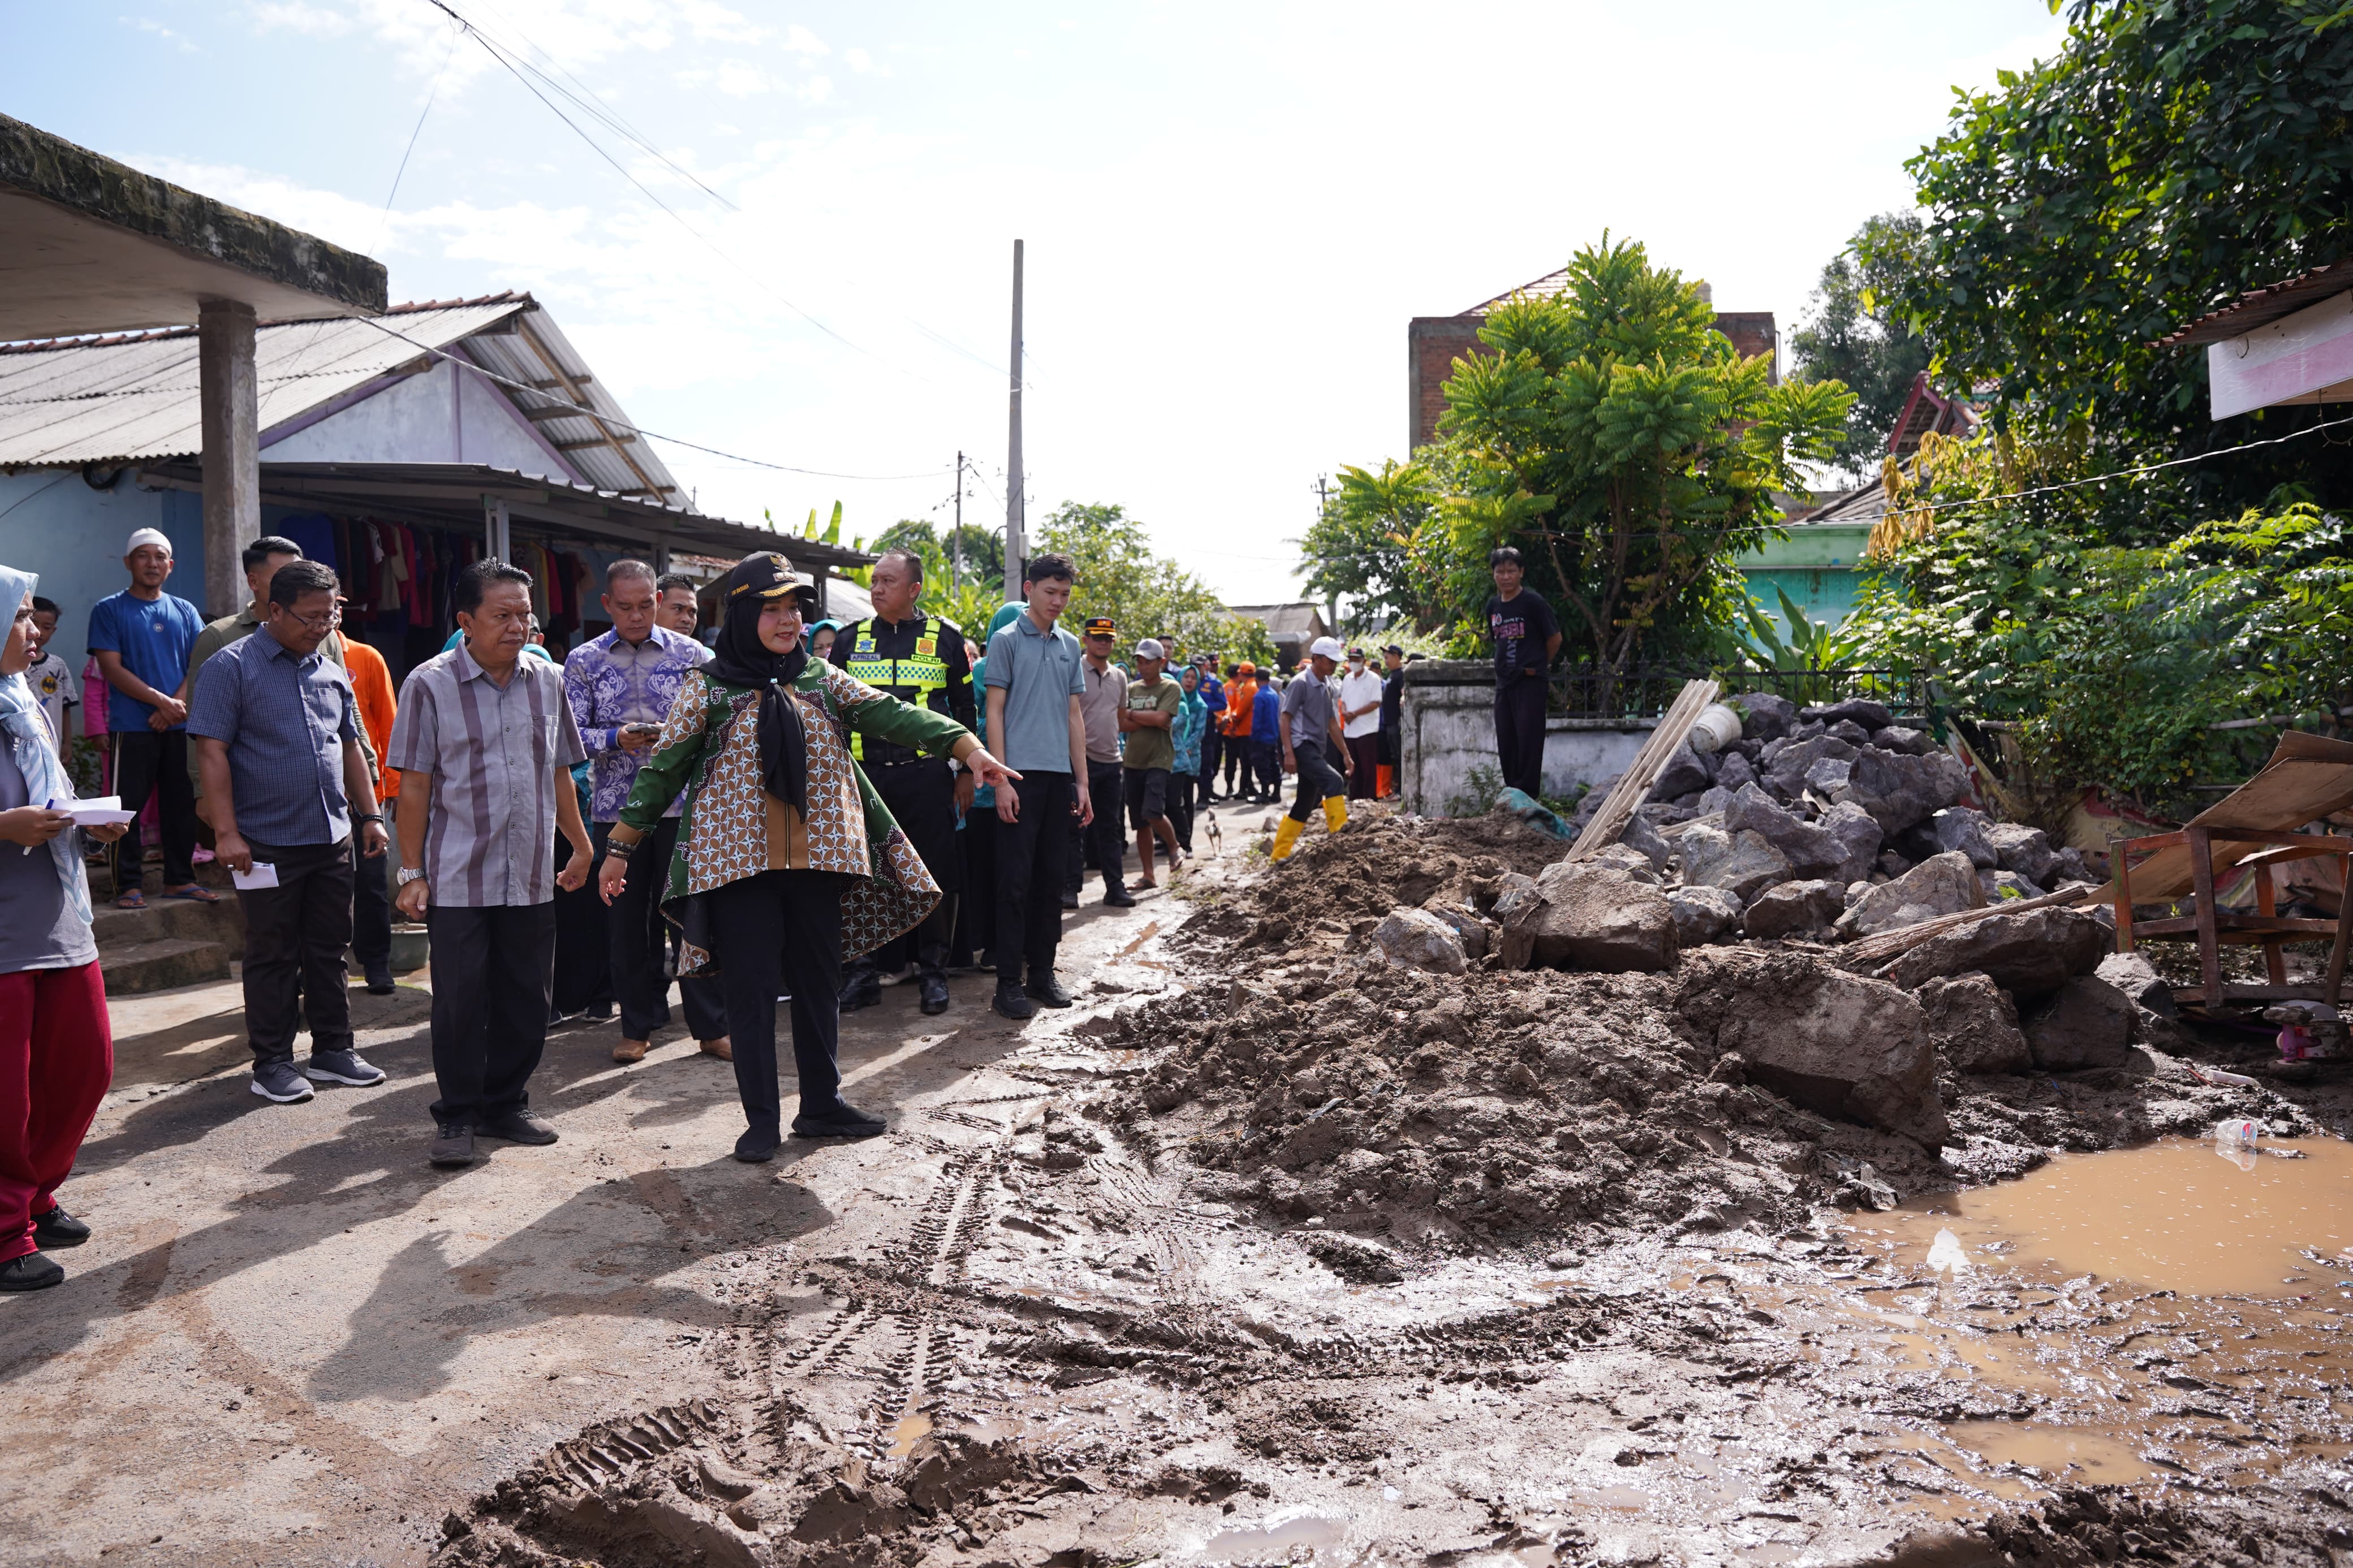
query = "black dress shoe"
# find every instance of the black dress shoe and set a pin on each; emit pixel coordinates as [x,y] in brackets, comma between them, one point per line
[1120,898]
[862,996]
[379,979]
[518,1127]
[758,1145]
[58,1228]
[1012,1001]
[845,1123]
[1047,992]
[31,1272]
[1070,899]
[933,991]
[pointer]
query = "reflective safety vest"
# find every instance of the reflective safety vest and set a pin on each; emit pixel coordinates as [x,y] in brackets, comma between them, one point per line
[911,678]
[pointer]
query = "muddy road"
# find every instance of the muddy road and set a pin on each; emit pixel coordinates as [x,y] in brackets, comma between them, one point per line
[1270,1252]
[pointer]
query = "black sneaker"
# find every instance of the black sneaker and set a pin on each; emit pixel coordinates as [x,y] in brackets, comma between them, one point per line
[1070,900]
[758,1145]
[843,1121]
[280,1083]
[1047,992]
[453,1143]
[933,991]
[58,1228]
[379,978]
[860,996]
[1119,898]
[342,1067]
[1012,1001]
[31,1272]
[518,1127]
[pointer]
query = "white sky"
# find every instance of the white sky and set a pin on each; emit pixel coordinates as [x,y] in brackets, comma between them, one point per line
[1231,210]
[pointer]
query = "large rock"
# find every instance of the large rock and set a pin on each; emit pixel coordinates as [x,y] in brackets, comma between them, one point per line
[2028,952]
[1964,829]
[1743,864]
[1763,716]
[1641,836]
[1854,711]
[2137,978]
[2086,1023]
[2003,886]
[1632,861]
[1973,1023]
[1795,909]
[1733,770]
[1786,765]
[1591,917]
[1899,791]
[1941,885]
[1513,892]
[1910,742]
[1416,939]
[1702,915]
[2023,849]
[1687,772]
[1835,1043]
[1811,851]
[1857,835]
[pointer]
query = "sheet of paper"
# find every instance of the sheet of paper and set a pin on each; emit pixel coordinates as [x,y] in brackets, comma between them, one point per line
[263,875]
[101,812]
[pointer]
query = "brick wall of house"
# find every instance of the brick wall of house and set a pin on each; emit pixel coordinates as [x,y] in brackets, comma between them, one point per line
[1434,342]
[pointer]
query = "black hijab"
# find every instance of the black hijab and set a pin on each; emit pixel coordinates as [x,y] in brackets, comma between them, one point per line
[741,658]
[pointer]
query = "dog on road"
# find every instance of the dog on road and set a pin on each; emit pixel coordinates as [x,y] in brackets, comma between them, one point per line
[1217,839]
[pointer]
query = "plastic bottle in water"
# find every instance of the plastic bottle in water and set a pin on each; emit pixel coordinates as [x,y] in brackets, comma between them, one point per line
[2235,1141]
[1948,1253]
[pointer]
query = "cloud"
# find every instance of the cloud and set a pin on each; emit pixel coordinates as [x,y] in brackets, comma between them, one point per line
[858,60]
[149,25]
[800,41]
[295,16]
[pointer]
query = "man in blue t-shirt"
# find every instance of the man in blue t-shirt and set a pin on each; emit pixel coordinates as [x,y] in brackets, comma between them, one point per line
[1266,744]
[142,638]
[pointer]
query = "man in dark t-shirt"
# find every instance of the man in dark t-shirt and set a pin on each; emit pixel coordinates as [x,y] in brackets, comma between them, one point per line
[1526,638]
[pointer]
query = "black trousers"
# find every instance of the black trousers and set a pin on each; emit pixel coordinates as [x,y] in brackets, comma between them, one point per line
[1213,749]
[150,762]
[1104,841]
[1029,855]
[371,907]
[492,971]
[1520,734]
[1365,754]
[1181,788]
[637,938]
[976,910]
[1237,748]
[1317,778]
[781,930]
[583,977]
[1266,762]
[295,934]
[922,797]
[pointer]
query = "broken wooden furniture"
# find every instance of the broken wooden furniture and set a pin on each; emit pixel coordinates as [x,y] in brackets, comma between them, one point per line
[2254,827]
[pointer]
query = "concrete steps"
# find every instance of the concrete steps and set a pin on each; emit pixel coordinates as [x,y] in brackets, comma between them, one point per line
[167,943]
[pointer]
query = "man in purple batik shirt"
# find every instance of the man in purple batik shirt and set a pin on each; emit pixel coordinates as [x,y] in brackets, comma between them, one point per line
[620,686]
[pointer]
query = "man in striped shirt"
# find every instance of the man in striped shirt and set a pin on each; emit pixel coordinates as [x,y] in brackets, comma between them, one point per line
[485,743]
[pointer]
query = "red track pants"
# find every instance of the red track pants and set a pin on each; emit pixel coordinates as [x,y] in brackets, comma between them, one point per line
[57,1058]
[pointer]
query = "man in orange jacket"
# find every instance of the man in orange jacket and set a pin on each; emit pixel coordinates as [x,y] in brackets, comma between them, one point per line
[1234,723]
[370,897]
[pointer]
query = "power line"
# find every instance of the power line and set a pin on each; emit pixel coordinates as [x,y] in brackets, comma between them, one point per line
[2122,473]
[617,423]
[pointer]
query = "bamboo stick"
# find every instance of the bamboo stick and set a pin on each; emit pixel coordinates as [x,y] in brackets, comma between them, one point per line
[1674,728]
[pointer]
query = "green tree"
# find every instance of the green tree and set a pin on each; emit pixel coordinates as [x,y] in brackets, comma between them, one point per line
[1623,442]
[2168,158]
[1120,576]
[1382,543]
[1855,333]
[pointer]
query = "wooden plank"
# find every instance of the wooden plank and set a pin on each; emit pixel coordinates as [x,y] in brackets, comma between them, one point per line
[2201,882]
[1618,808]
[2232,926]
[1874,950]
[2267,907]
[2334,993]
[2124,902]
[2241,993]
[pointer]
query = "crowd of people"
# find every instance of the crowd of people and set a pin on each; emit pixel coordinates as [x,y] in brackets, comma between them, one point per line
[781,813]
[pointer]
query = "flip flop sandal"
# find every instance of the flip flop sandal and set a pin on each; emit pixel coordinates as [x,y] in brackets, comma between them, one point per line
[133,899]
[194,893]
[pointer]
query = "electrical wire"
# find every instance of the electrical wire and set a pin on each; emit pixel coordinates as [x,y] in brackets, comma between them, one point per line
[2124,473]
[615,421]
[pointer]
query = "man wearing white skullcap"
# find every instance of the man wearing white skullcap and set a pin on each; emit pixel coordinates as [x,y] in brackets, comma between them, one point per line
[140,639]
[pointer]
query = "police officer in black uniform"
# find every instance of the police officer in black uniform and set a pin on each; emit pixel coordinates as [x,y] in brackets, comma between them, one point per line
[917,659]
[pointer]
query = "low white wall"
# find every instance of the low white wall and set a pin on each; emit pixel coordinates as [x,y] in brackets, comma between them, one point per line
[1448,729]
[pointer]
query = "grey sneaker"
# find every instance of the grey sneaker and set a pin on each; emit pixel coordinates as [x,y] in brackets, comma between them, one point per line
[343,1067]
[278,1081]
[453,1143]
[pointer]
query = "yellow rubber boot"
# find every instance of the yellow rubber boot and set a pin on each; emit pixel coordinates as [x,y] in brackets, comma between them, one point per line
[1286,837]
[1335,811]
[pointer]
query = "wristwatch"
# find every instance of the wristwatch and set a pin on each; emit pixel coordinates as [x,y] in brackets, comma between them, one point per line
[409,874]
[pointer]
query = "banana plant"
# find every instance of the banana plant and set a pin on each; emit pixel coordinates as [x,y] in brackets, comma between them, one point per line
[1806,644]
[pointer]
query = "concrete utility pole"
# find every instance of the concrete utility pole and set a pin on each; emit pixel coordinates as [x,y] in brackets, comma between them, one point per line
[1016,546]
[228,400]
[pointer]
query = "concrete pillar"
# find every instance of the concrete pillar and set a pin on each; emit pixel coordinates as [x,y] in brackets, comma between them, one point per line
[230,399]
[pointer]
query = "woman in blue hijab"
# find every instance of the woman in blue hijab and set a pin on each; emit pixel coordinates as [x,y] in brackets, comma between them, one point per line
[56,1049]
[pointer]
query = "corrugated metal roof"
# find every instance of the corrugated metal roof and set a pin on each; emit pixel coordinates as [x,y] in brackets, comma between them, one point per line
[132,397]
[2260,306]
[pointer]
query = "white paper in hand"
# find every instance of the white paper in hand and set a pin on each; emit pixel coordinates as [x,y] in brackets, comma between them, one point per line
[103,812]
[263,875]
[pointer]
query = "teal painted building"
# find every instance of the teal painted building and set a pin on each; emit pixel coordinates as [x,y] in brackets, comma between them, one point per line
[1820,564]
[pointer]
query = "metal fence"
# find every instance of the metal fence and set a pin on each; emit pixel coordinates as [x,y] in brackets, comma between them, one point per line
[1645,692]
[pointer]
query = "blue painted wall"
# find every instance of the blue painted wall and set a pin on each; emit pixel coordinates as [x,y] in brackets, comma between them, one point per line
[54,524]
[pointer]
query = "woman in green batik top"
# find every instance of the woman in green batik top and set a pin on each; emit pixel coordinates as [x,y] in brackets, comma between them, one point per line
[786,859]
